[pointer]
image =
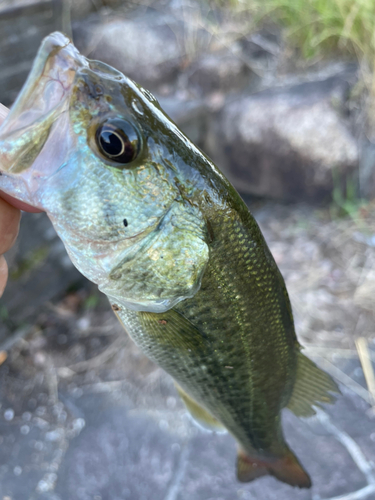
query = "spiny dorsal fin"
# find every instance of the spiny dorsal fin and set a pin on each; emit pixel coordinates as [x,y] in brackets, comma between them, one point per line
[200,414]
[312,386]
[286,468]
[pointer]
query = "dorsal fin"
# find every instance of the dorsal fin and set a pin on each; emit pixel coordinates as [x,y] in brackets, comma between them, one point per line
[312,386]
[200,414]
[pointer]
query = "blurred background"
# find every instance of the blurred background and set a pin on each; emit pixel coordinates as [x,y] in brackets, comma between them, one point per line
[280,94]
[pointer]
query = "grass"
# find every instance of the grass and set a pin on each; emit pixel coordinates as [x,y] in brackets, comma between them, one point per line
[345,199]
[317,26]
[320,28]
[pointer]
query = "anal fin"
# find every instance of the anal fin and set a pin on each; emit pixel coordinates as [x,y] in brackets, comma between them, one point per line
[312,386]
[286,469]
[200,414]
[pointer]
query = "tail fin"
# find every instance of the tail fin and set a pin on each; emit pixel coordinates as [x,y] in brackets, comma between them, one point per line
[286,469]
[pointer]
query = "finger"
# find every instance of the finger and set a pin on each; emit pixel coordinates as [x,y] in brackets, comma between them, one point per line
[3,274]
[9,225]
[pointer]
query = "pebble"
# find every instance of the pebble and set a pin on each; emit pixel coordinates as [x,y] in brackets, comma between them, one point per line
[25,429]
[55,435]
[83,323]
[40,358]
[38,445]
[9,414]
[163,425]
[26,416]
[40,411]
[171,402]
[17,471]
[79,424]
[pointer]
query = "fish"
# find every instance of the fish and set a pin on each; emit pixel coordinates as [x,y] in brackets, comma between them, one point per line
[149,218]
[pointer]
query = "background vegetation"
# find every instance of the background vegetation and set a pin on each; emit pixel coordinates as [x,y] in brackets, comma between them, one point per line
[323,28]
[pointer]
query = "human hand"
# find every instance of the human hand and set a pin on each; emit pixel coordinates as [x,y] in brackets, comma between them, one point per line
[9,224]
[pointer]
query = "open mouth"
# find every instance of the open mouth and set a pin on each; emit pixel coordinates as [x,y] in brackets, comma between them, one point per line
[9,199]
[47,85]
[38,114]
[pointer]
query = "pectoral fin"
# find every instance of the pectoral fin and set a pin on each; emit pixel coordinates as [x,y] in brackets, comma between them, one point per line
[286,469]
[172,330]
[200,414]
[312,386]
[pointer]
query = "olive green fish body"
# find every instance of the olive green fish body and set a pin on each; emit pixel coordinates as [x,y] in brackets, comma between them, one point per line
[220,344]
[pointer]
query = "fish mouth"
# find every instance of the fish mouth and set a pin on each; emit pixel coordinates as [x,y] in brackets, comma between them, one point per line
[9,199]
[39,112]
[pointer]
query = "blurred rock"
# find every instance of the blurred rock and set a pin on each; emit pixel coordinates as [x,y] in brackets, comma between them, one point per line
[79,9]
[285,142]
[145,48]
[224,71]
[191,116]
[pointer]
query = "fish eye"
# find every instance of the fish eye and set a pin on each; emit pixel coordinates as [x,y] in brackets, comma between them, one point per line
[117,140]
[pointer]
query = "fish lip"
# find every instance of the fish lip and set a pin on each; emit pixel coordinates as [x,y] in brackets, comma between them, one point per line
[54,45]
[56,57]
[44,97]
[20,205]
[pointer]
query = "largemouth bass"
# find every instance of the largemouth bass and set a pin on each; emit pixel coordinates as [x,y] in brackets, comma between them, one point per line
[148,217]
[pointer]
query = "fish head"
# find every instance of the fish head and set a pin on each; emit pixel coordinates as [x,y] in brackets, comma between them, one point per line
[95,151]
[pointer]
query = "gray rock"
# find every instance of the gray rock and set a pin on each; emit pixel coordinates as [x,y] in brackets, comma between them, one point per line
[143,47]
[223,71]
[191,116]
[285,143]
